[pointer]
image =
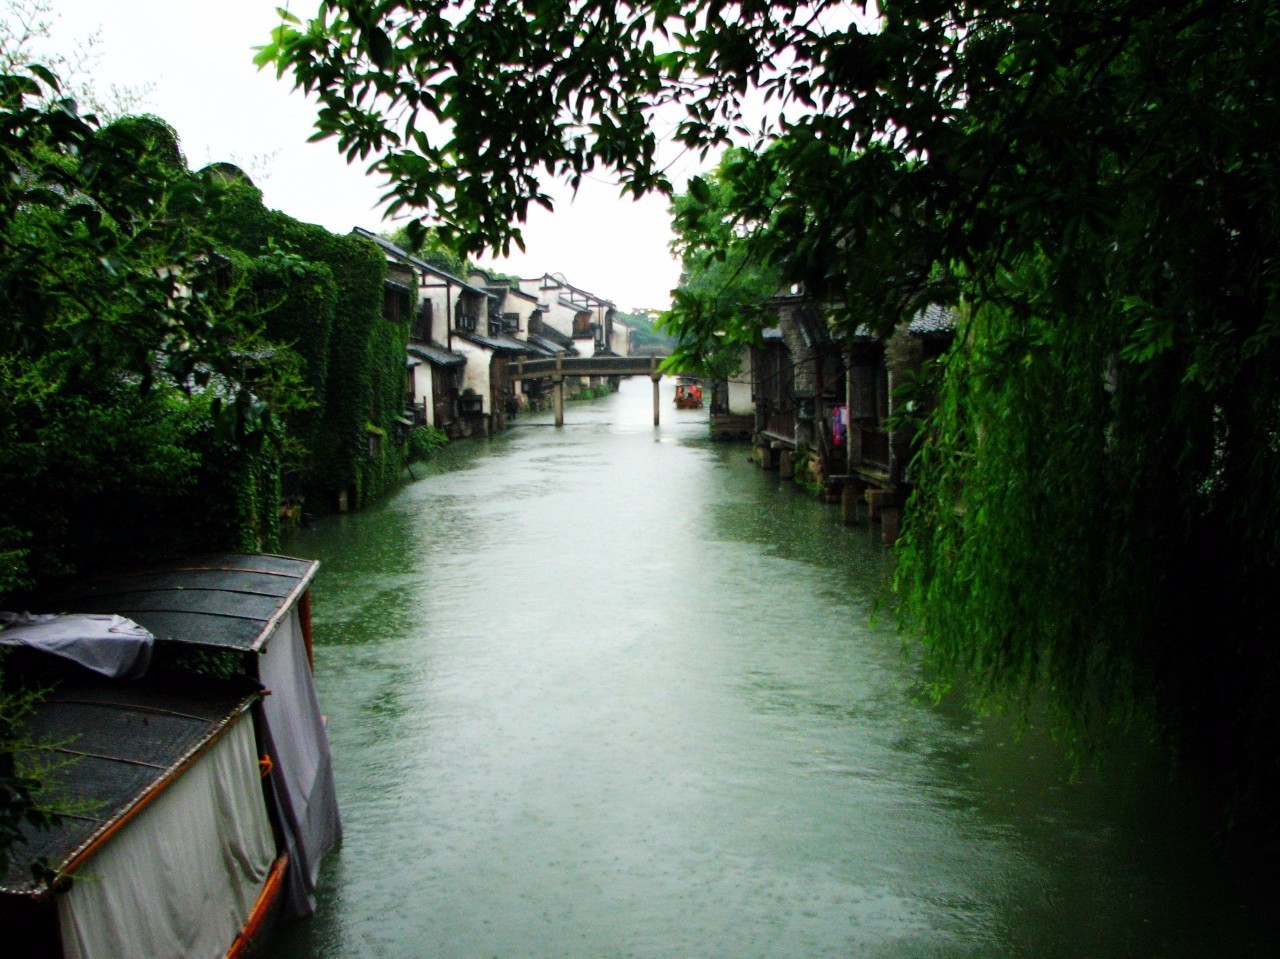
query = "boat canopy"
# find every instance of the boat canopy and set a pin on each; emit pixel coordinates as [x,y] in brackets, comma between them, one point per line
[109,748]
[227,601]
[256,604]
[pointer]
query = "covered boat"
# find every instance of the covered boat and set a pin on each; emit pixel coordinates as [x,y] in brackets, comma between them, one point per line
[251,754]
[688,393]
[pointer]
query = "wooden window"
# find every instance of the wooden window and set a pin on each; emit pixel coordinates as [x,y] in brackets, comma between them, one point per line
[395,303]
[421,330]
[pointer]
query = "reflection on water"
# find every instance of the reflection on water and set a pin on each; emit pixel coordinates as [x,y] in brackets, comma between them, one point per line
[609,691]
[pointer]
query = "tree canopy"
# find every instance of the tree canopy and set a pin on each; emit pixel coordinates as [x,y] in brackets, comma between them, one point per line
[115,307]
[728,276]
[1091,181]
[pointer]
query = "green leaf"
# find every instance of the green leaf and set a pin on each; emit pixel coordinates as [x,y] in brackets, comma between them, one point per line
[379,46]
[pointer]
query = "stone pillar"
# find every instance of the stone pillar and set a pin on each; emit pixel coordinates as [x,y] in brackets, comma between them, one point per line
[787,464]
[656,379]
[559,399]
[903,355]
[890,524]
[849,496]
[878,500]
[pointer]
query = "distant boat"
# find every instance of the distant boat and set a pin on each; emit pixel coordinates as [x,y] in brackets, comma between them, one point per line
[688,393]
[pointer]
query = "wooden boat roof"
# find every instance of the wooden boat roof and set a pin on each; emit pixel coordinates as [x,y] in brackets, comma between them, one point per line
[110,747]
[225,601]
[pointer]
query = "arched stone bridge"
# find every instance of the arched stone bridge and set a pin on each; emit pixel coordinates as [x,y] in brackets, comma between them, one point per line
[558,367]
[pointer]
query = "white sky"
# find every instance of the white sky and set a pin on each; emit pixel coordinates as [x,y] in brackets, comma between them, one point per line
[196,57]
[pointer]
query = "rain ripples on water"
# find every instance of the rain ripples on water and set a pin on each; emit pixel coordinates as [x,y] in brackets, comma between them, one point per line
[609,691]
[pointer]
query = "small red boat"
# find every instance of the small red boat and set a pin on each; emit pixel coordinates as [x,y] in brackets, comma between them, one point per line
[688,393]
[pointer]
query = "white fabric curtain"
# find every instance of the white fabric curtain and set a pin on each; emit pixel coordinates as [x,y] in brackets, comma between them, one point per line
[179,880]
[303,769]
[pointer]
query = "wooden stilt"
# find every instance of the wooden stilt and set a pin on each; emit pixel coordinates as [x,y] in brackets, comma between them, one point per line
[849,498]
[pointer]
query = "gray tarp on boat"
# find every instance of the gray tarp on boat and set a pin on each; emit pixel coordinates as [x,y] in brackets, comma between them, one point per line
[110,645]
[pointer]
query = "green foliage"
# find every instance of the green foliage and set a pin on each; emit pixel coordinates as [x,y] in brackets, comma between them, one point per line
[722,301]
[647,336]
[498,80]
[320,294]
[1096,514]
[120,336]
[424,441]
[807,467]
[118,346]
[163,333]
[427,245]
[590,393]
[385,352]
[19,785]
[238,489]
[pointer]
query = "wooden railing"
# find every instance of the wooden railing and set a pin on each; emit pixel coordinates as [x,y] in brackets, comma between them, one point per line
[523,369]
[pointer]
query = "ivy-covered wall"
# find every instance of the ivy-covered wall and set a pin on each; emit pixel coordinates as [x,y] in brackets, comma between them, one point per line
[321,294]
[386,358]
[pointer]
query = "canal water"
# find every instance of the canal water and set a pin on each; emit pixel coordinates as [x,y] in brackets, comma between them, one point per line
[609,691]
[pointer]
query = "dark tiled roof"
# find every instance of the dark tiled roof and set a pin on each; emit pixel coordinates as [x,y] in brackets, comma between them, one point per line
[436,355]
[933,319]
[499,342]
[407,257]
[544,346]
[553,336]
[227,601]
[510,343]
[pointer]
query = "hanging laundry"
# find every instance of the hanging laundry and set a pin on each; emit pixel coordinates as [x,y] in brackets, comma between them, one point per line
[840,425]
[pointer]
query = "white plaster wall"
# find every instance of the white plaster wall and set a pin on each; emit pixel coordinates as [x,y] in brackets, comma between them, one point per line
[560,317]
[422,381]
[476,374]
[548,299]
[521,307]
[621,338]
[740,402]
[442,305]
